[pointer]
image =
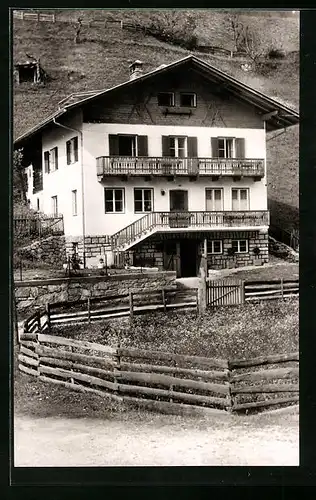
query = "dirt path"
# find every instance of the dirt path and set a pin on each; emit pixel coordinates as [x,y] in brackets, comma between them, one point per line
[155,441]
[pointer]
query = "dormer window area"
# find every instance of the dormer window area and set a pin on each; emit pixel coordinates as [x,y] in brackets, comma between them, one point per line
[166,99]
[188,100]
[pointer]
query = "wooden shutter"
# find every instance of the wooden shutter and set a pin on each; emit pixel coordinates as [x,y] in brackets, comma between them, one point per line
[192,147]
[75,139]
[214,144]
[68,152]
[113,145]
[56,157]
[46,162]
[142,145]
[240,148]
[165,145]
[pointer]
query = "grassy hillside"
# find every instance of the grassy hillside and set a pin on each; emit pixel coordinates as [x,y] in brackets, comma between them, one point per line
[102,57]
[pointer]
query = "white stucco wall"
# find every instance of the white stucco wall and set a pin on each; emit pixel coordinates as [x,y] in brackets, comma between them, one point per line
[63,181]
[96,144]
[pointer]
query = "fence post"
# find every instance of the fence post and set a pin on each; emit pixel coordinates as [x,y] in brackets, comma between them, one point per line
[230,395]
[89,306]
[131,305]
[202,282]
[39,326]
[54,17]
[117,366]
[164,300]
[21,270]
[243,292]
[282,288]
[48,315]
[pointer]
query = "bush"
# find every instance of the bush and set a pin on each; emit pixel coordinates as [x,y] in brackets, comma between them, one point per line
[275,54]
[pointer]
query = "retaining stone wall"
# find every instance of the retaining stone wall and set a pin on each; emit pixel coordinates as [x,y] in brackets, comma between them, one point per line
[35,293]
[51,250]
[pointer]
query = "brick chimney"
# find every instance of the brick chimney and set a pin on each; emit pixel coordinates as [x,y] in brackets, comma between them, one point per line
[135,70]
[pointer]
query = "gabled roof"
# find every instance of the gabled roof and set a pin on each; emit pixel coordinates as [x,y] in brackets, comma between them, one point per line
[276,114]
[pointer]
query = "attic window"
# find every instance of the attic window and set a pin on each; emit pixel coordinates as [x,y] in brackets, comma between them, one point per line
[166,99]
[188,99]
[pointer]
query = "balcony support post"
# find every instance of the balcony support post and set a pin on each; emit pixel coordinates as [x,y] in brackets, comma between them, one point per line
[202,280]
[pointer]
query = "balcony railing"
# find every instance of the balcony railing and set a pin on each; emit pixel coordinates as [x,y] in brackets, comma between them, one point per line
[170,166]
[188,221]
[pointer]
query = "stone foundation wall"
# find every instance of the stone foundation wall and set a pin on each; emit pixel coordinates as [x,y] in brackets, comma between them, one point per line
[94,247]
[35,293]
[149,253]
[255,240]
[51,250]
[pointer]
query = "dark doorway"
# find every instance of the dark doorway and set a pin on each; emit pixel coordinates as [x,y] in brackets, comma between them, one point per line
[188,258]
[178,200]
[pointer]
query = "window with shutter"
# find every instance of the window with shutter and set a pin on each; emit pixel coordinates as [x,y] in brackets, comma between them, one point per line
[72,150]
[53,159]
[177,147]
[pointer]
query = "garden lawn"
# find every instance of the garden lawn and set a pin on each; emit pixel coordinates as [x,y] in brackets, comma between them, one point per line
[248,330]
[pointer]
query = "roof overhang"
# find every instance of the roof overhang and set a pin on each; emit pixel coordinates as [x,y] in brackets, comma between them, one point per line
[275,114]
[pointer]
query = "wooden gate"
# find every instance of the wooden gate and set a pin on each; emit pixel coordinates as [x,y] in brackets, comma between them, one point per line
[224,292]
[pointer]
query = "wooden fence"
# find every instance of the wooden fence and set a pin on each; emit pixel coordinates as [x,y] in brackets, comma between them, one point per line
[38,226]
[163,381]
[234,292]
[114,305]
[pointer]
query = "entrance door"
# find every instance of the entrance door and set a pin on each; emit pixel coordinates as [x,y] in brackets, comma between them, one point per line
[178,205]
[189,258]
[178,200]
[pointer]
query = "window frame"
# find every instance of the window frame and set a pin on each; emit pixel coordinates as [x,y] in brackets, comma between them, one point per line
[225,139]
[54,205]
[114,211]
[172,94]
[176,145]
[238,199]
[143,200]
[192,94]
[238,241]
[53,159]
[74,202]
[74,152]
[210,243]
[134,144]
[213,198]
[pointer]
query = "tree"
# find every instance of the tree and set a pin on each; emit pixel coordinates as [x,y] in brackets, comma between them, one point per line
[19,185]
[173,26]
[246,40]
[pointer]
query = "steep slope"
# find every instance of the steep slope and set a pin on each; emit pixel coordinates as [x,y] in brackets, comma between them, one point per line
[102,57]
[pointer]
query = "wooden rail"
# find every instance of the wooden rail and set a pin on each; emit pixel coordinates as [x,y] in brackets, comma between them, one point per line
[234,292]
[181,382]
[203,220]
[111,305]
[170,166]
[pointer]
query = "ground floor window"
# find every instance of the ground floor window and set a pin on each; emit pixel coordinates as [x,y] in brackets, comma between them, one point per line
[143,200]
[240,246]
[114,200]
[214,247]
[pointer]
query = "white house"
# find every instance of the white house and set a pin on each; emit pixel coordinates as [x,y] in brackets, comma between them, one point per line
[164,166]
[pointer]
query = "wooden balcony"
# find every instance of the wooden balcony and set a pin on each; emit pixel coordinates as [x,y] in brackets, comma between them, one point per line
[189,221]
[169,166]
